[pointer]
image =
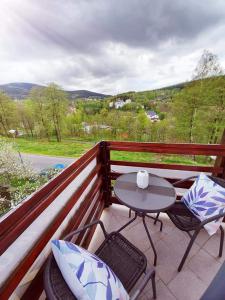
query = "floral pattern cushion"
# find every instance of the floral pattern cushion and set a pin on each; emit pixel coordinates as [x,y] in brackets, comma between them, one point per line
[206,199]
[87,276]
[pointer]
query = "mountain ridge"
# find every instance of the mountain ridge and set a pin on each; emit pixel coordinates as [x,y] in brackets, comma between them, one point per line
[21,90]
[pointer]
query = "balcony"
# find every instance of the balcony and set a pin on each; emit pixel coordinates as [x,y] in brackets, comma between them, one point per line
[82,193]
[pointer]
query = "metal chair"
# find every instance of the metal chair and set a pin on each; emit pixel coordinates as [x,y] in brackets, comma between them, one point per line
[186,221]
[126,261]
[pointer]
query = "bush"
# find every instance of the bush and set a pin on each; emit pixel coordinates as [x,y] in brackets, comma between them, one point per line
[18,177]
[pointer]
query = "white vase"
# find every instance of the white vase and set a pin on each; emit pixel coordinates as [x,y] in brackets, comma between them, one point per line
[142,179]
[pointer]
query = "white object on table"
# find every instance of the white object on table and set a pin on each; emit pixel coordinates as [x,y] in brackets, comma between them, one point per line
[142,179]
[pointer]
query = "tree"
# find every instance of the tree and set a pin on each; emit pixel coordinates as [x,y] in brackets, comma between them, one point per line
[208,66]
[215,94]
[27,116]
[37,97]
[212,87]
[57,106]
[184,108]
[7,114]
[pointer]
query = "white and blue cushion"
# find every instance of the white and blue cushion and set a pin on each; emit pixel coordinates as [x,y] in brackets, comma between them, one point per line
[87,276]
[206,199]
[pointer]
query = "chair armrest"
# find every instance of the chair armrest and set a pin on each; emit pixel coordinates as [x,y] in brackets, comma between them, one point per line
[79,230]
[216,217]
[149,274]
[183,180]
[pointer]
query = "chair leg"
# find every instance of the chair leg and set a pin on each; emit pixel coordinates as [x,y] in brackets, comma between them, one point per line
[221,241]
[129,213]
[187,250]
[156,218]
[153,286]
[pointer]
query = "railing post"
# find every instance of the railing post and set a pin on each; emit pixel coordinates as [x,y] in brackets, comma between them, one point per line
[105,170]
[220,160]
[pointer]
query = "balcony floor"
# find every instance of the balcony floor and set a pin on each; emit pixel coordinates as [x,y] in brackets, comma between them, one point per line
[201,265]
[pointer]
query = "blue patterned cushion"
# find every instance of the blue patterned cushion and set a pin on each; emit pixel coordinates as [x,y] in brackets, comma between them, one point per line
[88,277]
[206,199]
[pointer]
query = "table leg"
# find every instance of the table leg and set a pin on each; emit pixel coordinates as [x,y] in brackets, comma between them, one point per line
[150,239]
[128,223]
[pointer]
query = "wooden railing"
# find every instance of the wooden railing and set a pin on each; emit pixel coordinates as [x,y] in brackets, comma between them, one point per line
[181,149]
[19,220]
[94,187]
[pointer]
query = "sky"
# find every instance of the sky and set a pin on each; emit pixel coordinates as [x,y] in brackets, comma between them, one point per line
[108,46]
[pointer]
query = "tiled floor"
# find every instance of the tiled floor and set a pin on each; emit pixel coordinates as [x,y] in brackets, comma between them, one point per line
[201,265]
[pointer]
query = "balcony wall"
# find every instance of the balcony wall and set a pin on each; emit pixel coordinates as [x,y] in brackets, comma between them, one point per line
[68,201]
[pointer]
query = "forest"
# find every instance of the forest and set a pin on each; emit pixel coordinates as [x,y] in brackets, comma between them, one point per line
[194,113]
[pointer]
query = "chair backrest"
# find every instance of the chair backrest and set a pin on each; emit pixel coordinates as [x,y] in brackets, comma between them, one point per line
[218,180]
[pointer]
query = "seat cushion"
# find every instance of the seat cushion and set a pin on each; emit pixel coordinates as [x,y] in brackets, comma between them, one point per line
[87,276]
[205,199]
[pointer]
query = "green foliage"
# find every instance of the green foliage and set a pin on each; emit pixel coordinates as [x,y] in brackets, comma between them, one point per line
[8,114]
[17,179]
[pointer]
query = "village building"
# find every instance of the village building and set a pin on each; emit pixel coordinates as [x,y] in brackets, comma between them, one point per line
[153,116]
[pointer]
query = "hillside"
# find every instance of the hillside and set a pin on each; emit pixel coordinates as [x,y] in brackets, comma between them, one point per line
[20,90]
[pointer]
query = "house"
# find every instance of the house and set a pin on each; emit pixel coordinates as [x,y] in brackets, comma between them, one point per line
[119,104]
[111,104]
[88,128]
[152,115]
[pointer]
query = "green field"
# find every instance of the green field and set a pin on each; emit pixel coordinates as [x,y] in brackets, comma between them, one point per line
[67,148]
[73,148]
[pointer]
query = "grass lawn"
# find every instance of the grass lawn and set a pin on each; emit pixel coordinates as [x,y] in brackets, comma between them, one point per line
[73,148]
[154,157]
[53,148]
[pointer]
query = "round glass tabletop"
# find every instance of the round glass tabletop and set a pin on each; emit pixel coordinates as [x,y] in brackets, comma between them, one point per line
[158,196]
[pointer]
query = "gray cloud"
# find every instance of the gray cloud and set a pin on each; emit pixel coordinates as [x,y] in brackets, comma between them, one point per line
[106,40]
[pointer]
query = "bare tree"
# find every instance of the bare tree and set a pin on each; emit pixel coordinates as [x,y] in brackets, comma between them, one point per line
[208,66]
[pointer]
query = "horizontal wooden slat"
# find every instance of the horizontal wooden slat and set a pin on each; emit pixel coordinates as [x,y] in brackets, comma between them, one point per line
[62,180]
[187,149]
[166,166]
[12,282]
[89,219]
[13,232]
[36,287]
[96,216]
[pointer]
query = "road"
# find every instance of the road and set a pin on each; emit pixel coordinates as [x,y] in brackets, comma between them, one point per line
[40,162]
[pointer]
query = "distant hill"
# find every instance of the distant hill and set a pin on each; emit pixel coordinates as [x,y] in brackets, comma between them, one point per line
[20,90]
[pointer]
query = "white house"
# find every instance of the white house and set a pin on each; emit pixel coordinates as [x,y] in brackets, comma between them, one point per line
[152,115]
[119,104]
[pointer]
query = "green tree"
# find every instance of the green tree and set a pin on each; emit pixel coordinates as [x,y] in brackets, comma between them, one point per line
[27,116]
[41,114]
[57,107]
[8,116]
[184,109]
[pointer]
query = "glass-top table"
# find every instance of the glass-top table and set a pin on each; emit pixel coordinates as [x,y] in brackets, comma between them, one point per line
[159,196]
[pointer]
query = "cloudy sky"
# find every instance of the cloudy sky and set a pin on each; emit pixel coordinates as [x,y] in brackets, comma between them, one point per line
[108,46]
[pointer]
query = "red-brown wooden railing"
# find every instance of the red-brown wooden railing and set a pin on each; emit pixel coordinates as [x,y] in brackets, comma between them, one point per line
[182,149]
[22,217]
